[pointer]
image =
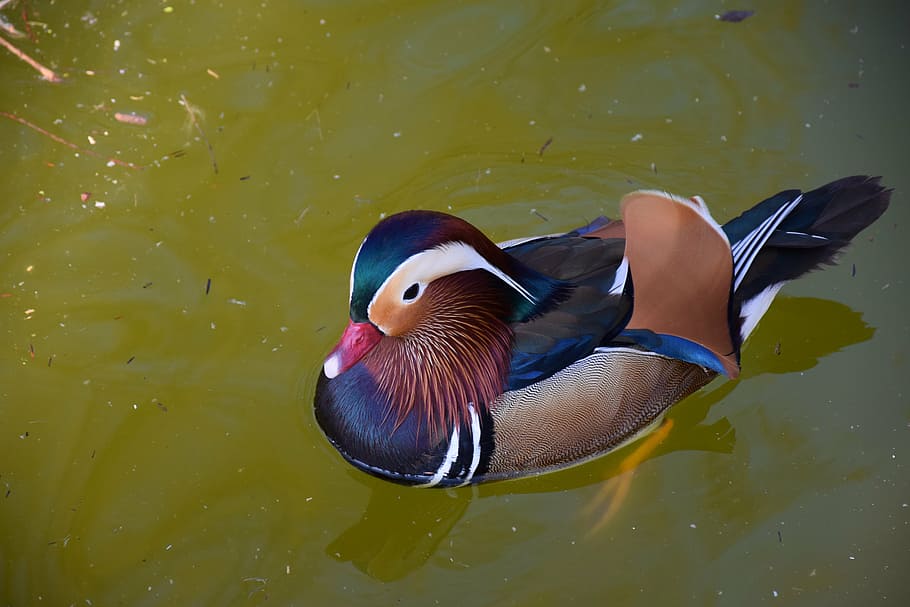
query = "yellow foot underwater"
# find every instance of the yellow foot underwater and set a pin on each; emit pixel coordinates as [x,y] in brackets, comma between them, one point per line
[614,491]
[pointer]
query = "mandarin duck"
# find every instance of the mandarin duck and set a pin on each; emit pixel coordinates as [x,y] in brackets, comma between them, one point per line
[467,361]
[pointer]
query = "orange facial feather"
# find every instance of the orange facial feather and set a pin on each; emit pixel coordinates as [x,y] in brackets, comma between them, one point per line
[457,353]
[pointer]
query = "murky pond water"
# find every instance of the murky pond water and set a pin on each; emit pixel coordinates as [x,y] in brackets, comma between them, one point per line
[162,327]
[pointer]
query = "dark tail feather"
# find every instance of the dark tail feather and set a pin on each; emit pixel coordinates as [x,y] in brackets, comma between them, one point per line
[840,210]
[823,223]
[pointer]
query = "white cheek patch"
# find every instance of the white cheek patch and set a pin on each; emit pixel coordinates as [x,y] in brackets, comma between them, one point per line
[425,267]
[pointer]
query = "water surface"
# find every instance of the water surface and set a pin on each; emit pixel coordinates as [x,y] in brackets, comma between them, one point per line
[162,328]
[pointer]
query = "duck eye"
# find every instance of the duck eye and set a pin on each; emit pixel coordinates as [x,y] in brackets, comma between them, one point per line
[411,292]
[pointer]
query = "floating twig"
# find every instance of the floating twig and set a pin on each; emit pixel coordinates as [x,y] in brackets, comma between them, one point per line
[544,147]
[69,144]
[193,112]
[46,73]
[25,22]
[536,212]
[301,215]
[8,27]
[130,118]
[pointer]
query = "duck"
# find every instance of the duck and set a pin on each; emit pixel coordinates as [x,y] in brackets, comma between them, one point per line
[466,361]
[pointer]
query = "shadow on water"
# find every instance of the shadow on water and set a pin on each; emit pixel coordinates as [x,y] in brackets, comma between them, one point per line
[396,536]
[401,528]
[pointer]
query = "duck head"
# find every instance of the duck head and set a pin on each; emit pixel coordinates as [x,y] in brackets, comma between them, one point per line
[431,304]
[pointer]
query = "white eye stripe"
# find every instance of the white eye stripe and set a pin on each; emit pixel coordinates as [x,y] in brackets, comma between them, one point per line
[354,267]
[460,257]
[445,259]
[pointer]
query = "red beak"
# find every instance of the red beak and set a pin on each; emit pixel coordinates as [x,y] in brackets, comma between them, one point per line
[358,339]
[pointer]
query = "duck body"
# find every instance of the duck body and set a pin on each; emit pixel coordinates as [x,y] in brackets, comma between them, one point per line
[466,361]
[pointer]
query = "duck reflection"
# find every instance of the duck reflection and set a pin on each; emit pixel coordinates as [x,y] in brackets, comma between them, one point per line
[401,528]
[397,534]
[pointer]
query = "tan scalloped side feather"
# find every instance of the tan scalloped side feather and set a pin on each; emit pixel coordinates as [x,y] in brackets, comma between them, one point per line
[587,409]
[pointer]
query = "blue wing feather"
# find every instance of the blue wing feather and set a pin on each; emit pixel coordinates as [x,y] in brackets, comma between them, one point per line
[589,317]
[674,347]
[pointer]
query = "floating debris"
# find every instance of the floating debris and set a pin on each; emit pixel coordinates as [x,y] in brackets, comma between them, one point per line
[131,118]
[69,144]
[194,114]
[734,16]
[536,212]
[545,145]
[46,73]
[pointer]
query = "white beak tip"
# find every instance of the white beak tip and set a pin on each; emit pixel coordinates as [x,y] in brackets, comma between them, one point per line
[332,366]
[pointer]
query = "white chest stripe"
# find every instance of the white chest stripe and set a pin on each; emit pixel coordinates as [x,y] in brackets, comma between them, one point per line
[446,465]
[475,436]
[452,454]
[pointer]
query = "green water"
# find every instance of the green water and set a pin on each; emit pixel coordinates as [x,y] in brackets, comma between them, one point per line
[158,352]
